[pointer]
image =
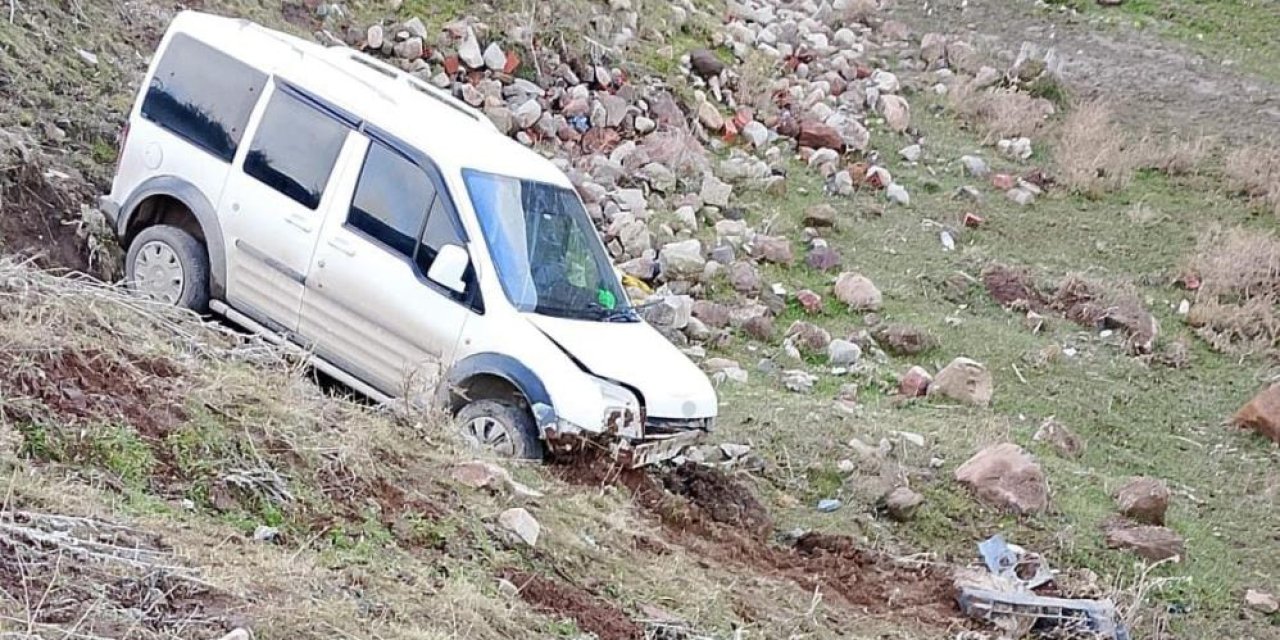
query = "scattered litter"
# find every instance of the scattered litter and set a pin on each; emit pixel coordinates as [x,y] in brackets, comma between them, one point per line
[1002,596]
[828,505]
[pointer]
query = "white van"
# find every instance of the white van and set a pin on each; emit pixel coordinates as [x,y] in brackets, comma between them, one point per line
[324,198]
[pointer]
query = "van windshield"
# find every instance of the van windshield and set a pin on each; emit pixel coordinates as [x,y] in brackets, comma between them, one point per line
[546,252]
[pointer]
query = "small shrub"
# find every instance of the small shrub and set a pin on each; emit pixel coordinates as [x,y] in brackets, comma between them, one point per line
[1239,273]
[1176,156]
[1000,113]
[1254,171]
[1094,154]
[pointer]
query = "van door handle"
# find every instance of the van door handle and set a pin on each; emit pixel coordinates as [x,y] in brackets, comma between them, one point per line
[300,222]
[342,246]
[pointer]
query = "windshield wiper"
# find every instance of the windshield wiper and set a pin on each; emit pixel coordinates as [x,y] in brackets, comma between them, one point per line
[613,315]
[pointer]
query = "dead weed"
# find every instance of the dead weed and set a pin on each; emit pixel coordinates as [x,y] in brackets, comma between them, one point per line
[1239,275]
[1000,113]
[1094,154]
[1254,171]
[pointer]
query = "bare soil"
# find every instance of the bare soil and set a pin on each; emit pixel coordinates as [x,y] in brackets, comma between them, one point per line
[1157,84]
[718,518]
[561,599]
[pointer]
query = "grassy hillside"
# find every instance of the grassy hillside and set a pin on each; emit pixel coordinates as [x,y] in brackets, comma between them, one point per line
[260,500]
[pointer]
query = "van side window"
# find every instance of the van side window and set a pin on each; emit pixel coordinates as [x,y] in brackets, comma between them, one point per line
[294,149]
[203,95]
[440,230]
[391,200]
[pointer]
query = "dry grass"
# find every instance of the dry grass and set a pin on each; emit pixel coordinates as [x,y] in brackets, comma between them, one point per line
[1239,273]
[1254,171]
[1094,154]
[1176,155]
[1000,113]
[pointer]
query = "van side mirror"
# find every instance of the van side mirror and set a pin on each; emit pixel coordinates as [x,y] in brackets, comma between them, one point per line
[450,267]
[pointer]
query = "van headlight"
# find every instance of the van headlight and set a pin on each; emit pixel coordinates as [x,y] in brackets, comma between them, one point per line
[622,413]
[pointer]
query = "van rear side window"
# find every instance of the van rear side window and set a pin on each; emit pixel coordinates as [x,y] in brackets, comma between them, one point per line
[203,95]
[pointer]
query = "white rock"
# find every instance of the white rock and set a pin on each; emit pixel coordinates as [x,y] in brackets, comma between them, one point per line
[469,51]
[911,153]
[527,114]
[645,124]
[975,166]
[756,133]
[494,58]
[682,260]
[715,192]
[843,353]
[897,193]
[885,81]
[374,37]
[522,523]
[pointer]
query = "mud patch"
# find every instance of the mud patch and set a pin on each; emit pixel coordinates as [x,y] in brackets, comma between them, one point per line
[717,518]
[1088,305]
[563,600]
[77,388]
[722,500]
[37,208]
[1011,287]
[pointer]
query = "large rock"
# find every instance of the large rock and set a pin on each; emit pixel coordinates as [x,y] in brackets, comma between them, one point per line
[823,258]
[901,504]
[915,383]
[1144,500]
[494,57]
[820,216]
[1150,543]
[410,49]
[808,337]
[705,63]
[714,191]
[857,291]
[1261,601]
[469,51]
[775,249]
[744,278]
[710,116]
[1006,476]
[817,135]
[964,380]
[1262,414]
[905,340]
[712,314]
[682,260]
[843,353]
[896,111]
[933,47]
[521,523]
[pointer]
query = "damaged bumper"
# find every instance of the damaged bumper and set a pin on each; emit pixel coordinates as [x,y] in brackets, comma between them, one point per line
[636,443]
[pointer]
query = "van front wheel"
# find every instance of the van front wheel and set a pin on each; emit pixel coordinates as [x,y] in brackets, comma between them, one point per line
[167,265]
[501,426]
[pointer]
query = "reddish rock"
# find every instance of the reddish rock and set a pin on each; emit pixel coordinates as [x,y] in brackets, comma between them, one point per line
[775,249]
[451,65]
[1150,543]
[600,140]
[973,221]
[809,337]
[915,383]
[1144,500]
[1007,477]
[1262,414]
[1003,181]
[905,340]
[712,314]
[811,301]
[857,291]
[817,135]
[513,63]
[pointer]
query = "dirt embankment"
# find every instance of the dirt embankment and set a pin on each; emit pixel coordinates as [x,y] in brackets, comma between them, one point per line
[717,518]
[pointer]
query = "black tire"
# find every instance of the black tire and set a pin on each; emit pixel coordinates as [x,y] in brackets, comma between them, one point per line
[521,432]
[191,255]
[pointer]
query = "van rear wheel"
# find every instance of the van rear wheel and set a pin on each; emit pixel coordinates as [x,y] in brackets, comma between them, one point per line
[502,427]
[169,266]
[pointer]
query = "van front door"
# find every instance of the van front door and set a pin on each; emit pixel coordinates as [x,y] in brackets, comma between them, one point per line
[275,200]
[369,307]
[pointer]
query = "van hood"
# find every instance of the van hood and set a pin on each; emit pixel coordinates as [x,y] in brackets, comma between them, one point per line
[636,355]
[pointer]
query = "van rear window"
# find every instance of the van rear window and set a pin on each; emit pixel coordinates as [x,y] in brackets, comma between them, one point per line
[203,95]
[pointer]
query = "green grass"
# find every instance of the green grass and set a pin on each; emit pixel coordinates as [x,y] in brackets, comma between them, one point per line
[1136,418]
[1243,31]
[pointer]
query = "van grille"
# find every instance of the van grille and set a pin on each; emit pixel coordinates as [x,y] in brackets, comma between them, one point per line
[664,427]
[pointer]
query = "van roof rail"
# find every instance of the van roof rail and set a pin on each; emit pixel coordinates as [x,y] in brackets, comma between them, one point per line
[422,87]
